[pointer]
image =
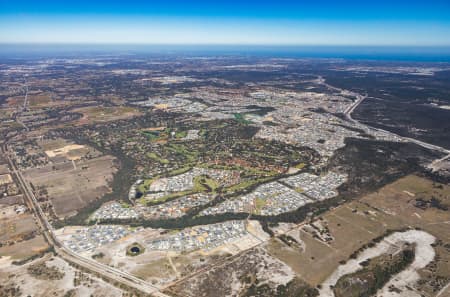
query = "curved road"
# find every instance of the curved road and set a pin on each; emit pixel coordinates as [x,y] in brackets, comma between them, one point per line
[360,98]
[127,278]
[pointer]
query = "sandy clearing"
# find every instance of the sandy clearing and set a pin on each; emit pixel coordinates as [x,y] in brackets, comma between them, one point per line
[424,255]
[32,286]
[5,261]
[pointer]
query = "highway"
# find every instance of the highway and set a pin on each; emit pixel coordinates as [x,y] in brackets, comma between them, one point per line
[128,279]
[436,164]
[360,98]
[352,107]
[86,263]
[25,101]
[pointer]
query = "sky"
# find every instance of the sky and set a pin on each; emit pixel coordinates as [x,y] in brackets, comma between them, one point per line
[318,22]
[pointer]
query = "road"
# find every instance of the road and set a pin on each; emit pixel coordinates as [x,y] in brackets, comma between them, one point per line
[127,278]
[353,106]
[87,263]
[24,107]
[435,164]
[231,259]
[25,101]
[360,98]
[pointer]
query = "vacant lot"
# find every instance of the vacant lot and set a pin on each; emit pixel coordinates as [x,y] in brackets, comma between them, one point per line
[70,187]
[4,169]
[15,227]
[236,276]
[400,199]
[5,179]
[354,224]
[349,229]
[61,149]
[53,277]
[95,114]
[24,249]
[156,272]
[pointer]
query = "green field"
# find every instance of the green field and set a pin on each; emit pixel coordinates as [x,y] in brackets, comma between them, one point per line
[240,118]
[157,158]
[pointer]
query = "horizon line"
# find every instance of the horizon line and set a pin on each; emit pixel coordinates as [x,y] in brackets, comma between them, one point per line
[230,44]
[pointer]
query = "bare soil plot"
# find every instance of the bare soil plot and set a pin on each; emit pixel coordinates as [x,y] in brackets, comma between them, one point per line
[15,227]
[399,200]
[350,230]
[185,264]
[94,114]
[39,99]
[57,148]
[71,151]
[355,224]
[235,277]
[25,249]
[406,278]
[54,277]
[52,144]
[72,188]
[11,200]
[4,169]
[156,272]
[312,264]
[15,101]
[5,179]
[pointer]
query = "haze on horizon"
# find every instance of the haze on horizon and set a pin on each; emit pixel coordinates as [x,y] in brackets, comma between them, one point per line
[380,23]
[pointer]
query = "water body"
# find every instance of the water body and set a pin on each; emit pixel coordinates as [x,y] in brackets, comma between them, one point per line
[379,53]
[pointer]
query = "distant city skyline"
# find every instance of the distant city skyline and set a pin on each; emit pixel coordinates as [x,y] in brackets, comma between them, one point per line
[381,23]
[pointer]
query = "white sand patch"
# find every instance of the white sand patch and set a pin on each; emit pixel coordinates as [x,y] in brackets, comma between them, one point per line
[424,254]
[280,274]
[445,107]
[407,278]
[32,286]
[5,261]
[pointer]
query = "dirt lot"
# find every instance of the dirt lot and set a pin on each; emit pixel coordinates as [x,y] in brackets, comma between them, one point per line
[64,280]
[62,149]
[5,179]
[399,200]
[354,224]
[40,99]
[156,272]
[73,186]
[392,244]
[350,231]
[15,227]
[24,249]
[4,169]
[95,114]
[236,276]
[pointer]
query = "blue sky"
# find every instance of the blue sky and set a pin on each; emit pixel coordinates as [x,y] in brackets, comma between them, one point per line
[413,23]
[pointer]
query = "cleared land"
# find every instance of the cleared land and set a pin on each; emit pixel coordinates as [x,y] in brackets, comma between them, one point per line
[51,276]
[15,227]
[70,188]
[237,276]
[5,179]
[93,114]
[24,249]
[424,255]
[356,224]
